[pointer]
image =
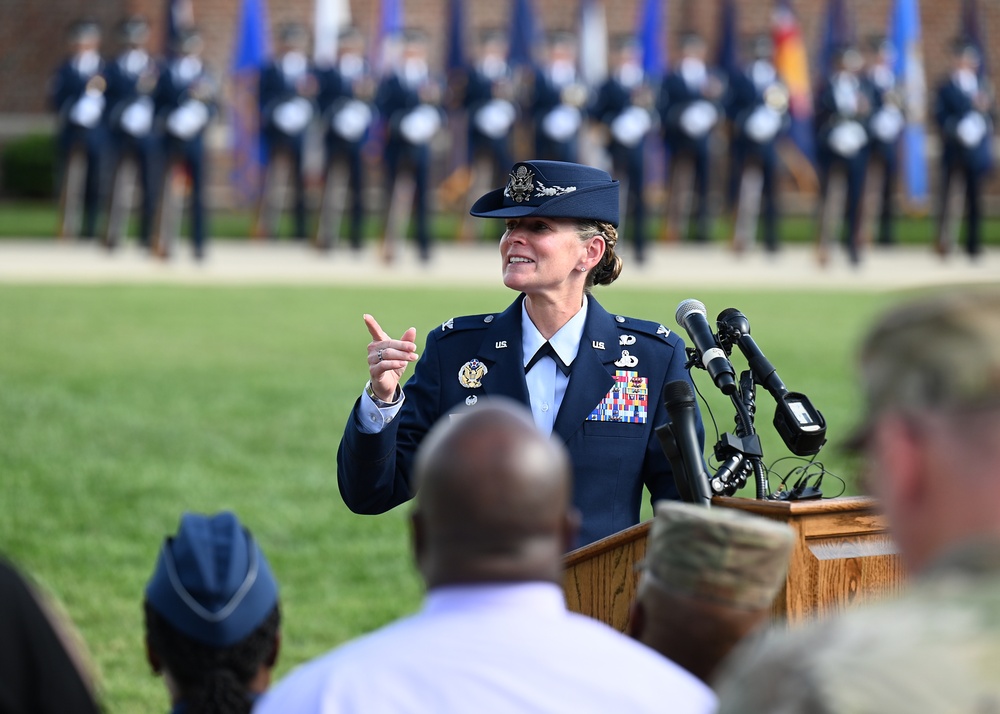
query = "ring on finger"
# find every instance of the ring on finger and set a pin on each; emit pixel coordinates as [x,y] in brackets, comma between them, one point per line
[378,355]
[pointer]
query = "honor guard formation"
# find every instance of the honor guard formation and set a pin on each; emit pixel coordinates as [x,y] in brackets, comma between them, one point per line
[377,140]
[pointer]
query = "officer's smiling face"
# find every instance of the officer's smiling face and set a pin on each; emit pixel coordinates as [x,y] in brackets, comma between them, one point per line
[544,256]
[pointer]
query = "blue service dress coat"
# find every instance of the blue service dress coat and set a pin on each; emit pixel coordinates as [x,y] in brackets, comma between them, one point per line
[613,100]
[952,105]
[128,115]
[744,98]
[480,92]
[68,87]
[612,458]
[885,126]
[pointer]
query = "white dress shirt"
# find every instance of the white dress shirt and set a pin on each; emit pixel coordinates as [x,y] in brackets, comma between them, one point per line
[493,649]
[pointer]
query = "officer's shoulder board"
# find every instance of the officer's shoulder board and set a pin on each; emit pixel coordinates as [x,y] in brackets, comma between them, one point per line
[646,327]
[464,324]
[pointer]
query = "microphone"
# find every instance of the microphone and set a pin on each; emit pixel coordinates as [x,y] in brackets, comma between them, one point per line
[692,316]
[678,397]
[800,425]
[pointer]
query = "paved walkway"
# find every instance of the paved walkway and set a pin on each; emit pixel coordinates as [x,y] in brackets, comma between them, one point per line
[242,262]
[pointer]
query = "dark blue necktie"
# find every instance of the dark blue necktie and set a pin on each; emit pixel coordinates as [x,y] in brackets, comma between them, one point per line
[546,350]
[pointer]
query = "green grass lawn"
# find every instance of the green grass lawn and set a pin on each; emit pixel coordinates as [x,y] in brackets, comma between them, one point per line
[120,407]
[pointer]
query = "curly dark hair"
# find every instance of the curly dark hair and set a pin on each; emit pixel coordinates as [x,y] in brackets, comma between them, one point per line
[610,265]
[213,680]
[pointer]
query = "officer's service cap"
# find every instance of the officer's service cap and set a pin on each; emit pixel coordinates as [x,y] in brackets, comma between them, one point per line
[212,582]
[717,555]
[553,189]
[936,353]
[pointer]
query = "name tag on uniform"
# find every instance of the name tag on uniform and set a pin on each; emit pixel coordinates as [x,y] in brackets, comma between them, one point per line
[626,402]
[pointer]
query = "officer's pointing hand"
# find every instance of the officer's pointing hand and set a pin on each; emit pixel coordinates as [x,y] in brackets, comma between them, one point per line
[387,358]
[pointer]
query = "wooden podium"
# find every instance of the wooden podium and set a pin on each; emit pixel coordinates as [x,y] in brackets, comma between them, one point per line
[842,557]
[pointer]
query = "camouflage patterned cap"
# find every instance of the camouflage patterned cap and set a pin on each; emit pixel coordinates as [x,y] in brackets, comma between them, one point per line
[717,554]
[936,352]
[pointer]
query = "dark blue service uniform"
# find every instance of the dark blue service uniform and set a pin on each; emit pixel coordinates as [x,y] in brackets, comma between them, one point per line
[131,79]
[952,105]
[276,88]
[833,115]
[174,90]
[395,100]
[885,126]
[343,139]
[486,138]
[612,458]
[613,100]
[555,140]
[68,87]
[675,97]
[746,96]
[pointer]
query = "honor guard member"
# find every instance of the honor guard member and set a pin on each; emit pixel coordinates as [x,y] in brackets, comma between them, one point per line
[757,106]
[185,101]
[409,100]
[346,93]
[885,126]
[592,379]
[689,106]
[77,96]
[842,110]
[962,111]
[558,100]
[212,616]
[624,106]
[287,91]
[489,102]
[131,79]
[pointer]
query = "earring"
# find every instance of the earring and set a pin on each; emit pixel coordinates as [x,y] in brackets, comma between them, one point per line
[583,268]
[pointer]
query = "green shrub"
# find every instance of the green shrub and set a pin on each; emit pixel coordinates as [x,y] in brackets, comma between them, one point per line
[28,166]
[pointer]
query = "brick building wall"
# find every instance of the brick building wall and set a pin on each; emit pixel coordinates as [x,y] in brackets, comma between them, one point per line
[32,33]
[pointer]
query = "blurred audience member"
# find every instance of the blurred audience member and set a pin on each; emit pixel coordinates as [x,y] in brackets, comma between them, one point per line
[212,616]
[42,670]
[492,521]
[930,371]
[696,602]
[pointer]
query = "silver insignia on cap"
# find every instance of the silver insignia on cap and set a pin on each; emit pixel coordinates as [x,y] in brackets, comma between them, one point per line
[520,185]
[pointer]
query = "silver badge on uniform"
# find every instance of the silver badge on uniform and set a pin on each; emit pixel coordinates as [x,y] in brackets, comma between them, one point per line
[627,360]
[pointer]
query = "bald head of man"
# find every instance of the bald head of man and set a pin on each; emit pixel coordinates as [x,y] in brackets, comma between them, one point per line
[493,500]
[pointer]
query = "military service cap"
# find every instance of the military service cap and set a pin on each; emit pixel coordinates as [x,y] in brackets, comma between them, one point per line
[553,189]
[717,555]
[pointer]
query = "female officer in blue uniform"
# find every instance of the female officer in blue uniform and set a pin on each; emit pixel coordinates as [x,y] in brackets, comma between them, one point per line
[591,378]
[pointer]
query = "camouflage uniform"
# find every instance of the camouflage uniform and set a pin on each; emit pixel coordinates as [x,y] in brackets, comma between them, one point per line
[937,648]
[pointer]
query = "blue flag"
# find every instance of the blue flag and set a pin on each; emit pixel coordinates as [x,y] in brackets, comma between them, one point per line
[904,33]
[651,38]
[250,52]
[388,32]
[524,35]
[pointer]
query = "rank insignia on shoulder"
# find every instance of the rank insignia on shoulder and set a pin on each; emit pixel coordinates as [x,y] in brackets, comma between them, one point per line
[627,401]
[661,330]
[471,374]
[448,324]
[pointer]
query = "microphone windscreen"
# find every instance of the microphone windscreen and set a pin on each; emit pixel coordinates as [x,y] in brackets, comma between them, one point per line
[689,307]
[678,394]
